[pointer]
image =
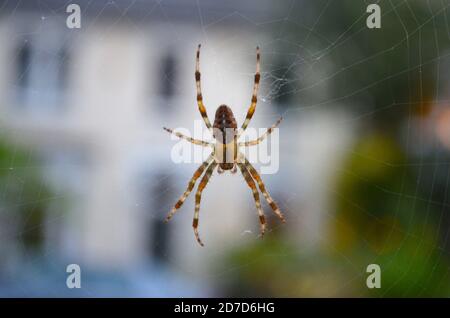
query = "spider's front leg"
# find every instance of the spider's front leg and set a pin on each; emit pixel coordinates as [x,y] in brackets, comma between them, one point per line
[198,198]
[262,187]
[191,184]
[252,185]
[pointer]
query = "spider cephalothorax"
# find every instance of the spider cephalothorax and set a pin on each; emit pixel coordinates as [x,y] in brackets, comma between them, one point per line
[225,154]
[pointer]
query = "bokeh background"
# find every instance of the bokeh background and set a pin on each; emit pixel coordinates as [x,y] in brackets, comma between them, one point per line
[86,175]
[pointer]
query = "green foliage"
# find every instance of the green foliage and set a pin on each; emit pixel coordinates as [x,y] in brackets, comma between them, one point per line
[381,219]
[22,193]
[383,209]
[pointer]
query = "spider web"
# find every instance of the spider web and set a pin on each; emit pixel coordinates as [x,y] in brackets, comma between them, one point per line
[352,99]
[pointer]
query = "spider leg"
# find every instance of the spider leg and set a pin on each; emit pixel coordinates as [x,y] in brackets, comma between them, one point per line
[262,188]
[262,137]
[191,140]
[252,185]
[252,107]
[198,198]
[201,107]
[190,186]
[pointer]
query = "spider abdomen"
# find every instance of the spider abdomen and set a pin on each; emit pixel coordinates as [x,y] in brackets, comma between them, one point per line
[224,118]
[224,130]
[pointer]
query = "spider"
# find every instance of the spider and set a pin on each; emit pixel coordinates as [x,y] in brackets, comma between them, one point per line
[225,154]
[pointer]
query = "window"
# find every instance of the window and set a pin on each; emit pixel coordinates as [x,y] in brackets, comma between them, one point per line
[168,76]
[41,75]
[157,198]
[23,65]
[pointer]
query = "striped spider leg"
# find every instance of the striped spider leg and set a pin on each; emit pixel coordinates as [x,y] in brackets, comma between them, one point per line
[251,175]
[201,106]
[262,137]
[198,198]
[252,108]
[197,174]
[252,185]
[187,138]
[262,188]
[248,171]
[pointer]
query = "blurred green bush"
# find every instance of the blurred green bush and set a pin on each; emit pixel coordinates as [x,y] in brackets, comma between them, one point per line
[23,197]
[383,202]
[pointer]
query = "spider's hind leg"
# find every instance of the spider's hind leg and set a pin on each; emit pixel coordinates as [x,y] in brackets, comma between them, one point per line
[251,109]
[201,106]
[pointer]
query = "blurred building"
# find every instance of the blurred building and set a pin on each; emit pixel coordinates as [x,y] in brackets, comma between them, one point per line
[92,102]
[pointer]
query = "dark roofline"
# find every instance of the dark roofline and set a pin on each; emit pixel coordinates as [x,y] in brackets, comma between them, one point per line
[146,11]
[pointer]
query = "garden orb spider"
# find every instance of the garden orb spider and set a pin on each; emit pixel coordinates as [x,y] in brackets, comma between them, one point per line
[225,154]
